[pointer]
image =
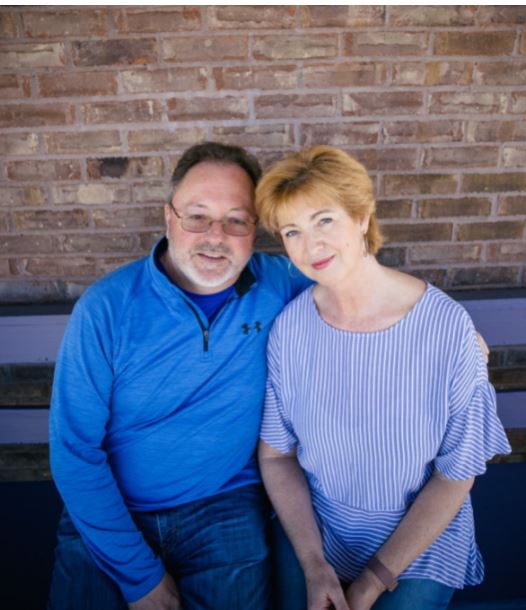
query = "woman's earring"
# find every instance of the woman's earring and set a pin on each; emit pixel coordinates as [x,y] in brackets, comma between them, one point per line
[365,245]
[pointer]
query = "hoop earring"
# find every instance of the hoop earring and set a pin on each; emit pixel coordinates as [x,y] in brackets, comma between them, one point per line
[365,245]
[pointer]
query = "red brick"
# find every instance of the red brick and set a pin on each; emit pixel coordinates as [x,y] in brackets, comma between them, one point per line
[267,158]
[89,142]
[43,170]
[484,276]
[523,43]
[255,136]
[514,156]
[396,233]
[66,84]
[27,195]
[69,22]
[104,243]
[91,194]
[4,226]
[164,139]
[467,206]
[129,218]
[33,115]
[431,16]
[285,106]
[512,205]
[518,103]
[500,73]
[339,134]
[106,265]
[398,102]
[251,17]
[18,144]
[125,167]
[7,25]
[394,208]
[419,184]
[131,51]
[501,15]
[478,231]
[359,74]
[204,48]
[493,183]
[60,267]
[159,19]
[474,43]
[437,277]
[512,252]
[15,245]
[14,86]
[386,43]
[51,220]
[463,156]
[151,192]
[386,159]
[342,16]
[256,77]
[148,239]
[449,73]
[425,132]
[480,102]
[32,55]
[207,108]
[158,81]
[496,131]
[429,254]
[124,111]
[295,46]
[409,73]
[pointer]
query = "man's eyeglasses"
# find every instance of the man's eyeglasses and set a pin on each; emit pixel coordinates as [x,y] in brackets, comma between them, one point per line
[201,223]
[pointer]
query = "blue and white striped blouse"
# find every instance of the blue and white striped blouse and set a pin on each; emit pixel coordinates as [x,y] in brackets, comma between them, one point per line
[372,414]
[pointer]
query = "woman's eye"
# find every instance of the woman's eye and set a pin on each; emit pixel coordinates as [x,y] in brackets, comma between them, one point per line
[326,220]
[290,233]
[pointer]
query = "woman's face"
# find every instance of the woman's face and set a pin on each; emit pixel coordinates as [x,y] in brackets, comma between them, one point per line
[324,242]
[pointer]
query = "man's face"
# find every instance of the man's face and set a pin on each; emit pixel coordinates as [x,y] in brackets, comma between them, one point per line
[209,262]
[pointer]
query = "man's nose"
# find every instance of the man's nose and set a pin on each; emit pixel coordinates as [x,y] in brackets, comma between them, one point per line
[216,229]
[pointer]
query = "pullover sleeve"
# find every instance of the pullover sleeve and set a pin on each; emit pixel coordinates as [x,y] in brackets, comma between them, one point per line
[80,412]
[474,433]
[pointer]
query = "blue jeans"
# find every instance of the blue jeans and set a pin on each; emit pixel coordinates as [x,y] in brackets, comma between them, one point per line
[416,594]
[216,550]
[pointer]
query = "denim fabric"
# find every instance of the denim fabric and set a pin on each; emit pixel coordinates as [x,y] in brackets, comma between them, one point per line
[287,575]
[416,594]
[216,549]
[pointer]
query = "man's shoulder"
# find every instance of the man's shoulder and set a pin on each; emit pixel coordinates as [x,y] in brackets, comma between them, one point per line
[276,272]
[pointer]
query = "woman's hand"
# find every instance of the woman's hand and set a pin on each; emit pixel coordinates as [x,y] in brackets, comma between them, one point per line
[323,588]
[364,591]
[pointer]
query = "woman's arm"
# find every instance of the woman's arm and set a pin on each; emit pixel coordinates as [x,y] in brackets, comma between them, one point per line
[289,493]
[433,509]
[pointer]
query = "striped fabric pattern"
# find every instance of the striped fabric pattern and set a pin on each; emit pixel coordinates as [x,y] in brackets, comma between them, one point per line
[372,414]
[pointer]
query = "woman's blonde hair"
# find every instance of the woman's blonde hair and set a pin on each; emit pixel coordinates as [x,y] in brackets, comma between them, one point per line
[319,175]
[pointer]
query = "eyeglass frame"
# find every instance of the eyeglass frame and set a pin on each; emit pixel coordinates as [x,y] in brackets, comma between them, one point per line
[211,221]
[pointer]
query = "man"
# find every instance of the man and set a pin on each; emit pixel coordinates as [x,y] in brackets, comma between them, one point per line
[156,407]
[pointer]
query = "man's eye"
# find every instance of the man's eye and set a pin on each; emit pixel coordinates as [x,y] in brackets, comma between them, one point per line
[197,217]
[238,222]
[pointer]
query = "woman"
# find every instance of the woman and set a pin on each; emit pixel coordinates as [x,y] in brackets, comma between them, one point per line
[378,412]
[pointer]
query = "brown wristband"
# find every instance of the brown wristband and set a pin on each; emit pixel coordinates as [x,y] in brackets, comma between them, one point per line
[386,577]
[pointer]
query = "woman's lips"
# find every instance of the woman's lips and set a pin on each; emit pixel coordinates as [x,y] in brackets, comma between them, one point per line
[321,264]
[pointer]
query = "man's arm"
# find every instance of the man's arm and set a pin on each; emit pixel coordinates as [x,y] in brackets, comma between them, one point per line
[80,412]
[289,493]
[163,597]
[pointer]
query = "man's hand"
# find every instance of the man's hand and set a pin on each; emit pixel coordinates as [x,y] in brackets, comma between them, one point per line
[163,597]
[323,588]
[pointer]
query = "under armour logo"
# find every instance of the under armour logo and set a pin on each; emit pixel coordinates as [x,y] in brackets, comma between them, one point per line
[247,327]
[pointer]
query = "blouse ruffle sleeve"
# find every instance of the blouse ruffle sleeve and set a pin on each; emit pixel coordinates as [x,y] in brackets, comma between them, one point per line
[276,428]
[474,433]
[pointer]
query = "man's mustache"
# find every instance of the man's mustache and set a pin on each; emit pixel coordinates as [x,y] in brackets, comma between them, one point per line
[206,248]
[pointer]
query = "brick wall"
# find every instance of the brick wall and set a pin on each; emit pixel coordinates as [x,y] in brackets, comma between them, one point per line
[97,104]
